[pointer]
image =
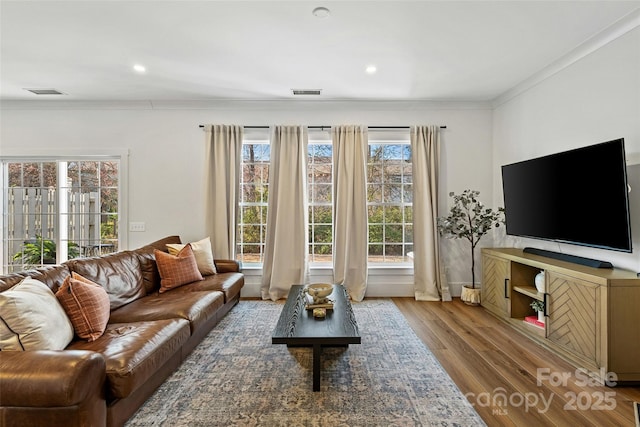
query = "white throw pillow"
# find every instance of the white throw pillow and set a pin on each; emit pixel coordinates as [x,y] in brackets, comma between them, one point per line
[203,253]
[31,318]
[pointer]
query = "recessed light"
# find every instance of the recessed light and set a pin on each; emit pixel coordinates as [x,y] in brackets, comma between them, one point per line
[140,68]
[371,69]
[321,12]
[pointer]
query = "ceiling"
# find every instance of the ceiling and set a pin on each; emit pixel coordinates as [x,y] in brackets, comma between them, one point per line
[255,50]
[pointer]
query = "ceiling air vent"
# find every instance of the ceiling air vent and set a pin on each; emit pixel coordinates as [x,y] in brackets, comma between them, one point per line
[306,91]
[45,91]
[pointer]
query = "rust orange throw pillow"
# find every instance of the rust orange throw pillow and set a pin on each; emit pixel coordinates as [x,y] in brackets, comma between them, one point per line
[86,304]
[177,270]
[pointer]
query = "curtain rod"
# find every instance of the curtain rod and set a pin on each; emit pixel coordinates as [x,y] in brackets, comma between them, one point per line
[329,127]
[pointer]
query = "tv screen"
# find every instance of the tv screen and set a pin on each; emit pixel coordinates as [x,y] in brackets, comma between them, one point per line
[578,196]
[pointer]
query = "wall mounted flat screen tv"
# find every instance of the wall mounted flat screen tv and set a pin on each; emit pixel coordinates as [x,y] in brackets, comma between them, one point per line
[579,196]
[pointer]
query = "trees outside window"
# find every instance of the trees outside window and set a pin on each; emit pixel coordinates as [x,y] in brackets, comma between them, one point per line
[389,200]
[254,190]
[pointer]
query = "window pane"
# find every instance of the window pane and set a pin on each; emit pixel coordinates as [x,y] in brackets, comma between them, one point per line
[109,200]
[392,193]
[375,153]
[322,234]
[89,175]
[251,234]
[408,233]
[374,193]
[408,193]
[408,214]
[375,233]
[393,214]
[322,193]
[320,196]
[393,233]
[31,175]
[49,174]
[389,195]
[376,214]
[392,153]
[322,215]
[73,174]
[109,228]
[376,251]
[15,175]
[253,202]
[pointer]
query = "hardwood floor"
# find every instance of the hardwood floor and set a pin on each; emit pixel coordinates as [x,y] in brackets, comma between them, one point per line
[487,359]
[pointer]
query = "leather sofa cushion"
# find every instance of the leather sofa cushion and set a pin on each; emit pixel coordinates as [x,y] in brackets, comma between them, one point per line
[228,266]
[229,284]
[150,274]
[161,244]
[196,307]
[51,275]
[134,352]
[119,274]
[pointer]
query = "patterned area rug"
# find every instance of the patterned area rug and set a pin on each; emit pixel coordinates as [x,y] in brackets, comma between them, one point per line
[236,377]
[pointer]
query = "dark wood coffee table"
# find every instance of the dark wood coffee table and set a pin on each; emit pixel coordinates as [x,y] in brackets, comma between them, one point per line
[298,328]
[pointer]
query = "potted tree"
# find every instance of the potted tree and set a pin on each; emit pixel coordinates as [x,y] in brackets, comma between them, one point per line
[469,219]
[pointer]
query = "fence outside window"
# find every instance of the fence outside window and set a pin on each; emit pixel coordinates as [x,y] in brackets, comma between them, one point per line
[45,222]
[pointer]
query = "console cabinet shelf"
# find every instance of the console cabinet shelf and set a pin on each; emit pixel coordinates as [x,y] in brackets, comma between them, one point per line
[592,315]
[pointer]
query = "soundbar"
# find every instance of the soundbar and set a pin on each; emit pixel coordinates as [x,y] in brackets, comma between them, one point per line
[596,263]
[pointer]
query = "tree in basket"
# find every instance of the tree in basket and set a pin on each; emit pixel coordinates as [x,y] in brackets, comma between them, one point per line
[469,219]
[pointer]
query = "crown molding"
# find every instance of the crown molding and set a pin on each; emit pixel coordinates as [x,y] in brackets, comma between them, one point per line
[606,36]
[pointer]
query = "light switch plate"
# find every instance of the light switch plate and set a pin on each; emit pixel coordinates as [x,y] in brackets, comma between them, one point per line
[136,226]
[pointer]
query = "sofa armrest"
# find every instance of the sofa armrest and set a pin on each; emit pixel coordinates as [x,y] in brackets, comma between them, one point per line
[228,266]
[50,378]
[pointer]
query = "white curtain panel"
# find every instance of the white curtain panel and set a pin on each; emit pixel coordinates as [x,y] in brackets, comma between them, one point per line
[425,146]
[350,209]
[287,240]
[223,153]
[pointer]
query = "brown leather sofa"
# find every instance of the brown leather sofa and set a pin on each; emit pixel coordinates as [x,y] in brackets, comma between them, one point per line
[104,382]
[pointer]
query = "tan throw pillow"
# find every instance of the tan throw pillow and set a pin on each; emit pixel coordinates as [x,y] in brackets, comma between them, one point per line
[203,253]
[31,318]
[177,270]
[86,304]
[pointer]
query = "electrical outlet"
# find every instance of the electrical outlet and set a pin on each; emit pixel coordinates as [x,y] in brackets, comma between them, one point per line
[136,226]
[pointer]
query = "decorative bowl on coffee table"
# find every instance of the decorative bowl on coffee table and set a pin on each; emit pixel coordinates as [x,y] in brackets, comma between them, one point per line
[319,292]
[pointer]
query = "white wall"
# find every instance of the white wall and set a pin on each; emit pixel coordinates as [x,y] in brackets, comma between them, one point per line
[166,154]
[595,99]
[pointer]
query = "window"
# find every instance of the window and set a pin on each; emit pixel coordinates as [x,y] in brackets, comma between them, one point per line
[389,201]
[320,194]
[254,190]
[55,210]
